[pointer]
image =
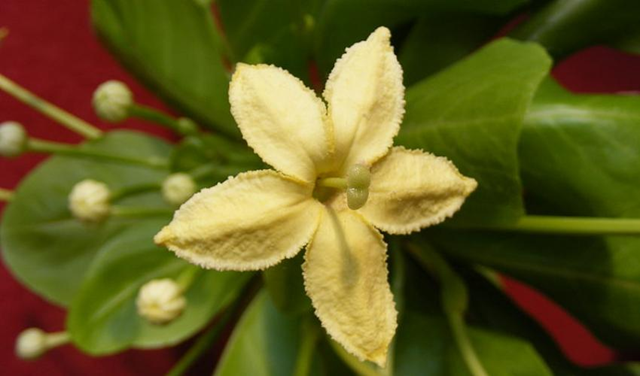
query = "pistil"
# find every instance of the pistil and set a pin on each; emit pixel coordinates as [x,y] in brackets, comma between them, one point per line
[356,185]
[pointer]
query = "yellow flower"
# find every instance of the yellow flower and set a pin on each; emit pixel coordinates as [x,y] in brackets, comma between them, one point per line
[259,218]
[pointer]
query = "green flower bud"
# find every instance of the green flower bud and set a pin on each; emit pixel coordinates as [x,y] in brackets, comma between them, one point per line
[187,126]
[112,101]
[178,188]
[31,344]
[160,301]
[13,139]
[89,201]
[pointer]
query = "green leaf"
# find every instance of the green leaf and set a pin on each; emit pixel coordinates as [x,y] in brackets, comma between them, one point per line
[472,114]
[425,347]
[265,342]
[588,143]
[103,318]
[567,26]
[286,287]
[42,244]
[209,149]
[437,40]
[490,308]
[597,284]
[630,43]
[579,157]
[337,30]
[174,47]
[274,32]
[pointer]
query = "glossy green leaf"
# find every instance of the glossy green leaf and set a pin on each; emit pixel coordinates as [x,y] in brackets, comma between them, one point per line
[597,284]
[274,32]
[286,287]
[103,319]
[336,29]
[190,154]
[630,43]
[472,114]
[579,157]
[437,40]
[566,26]
[174,47]
[208,149]
[42,244]
[425,347]
[491,309]
[265,342]
[588,143]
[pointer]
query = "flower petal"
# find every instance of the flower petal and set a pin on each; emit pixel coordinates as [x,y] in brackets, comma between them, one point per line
[249,222]
[345,274]
[281,119]
[366,100]
[411,189]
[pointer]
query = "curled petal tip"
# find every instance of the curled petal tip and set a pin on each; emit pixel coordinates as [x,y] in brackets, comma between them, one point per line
[380,359]
[471,185]
[381,33]
[164,236]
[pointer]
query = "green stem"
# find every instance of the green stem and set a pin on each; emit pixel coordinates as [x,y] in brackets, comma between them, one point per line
[339,183]
[57,114]
[203,343]
[458,328]
[134,190]
[455,300]
[360,368]
[155,116]
[57,339]
[490,275]
[186,278]
[209,338]
[42,146]
[137,212]
[571,225]
[310,337]
[6,195]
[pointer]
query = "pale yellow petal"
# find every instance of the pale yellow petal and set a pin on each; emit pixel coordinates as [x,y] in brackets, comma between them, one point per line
[366,100]
[411,189]
[345,275]
[249,222]
[281,119]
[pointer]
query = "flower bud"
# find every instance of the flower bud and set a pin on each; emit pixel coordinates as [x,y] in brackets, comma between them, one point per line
[89,201]
[31,344]
[112,101]
[187,126]
[13,139]
[178,188]
[160,301]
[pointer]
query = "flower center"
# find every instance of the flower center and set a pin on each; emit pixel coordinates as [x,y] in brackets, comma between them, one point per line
[356,183]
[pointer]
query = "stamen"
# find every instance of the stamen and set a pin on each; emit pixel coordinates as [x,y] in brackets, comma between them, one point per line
[356,185]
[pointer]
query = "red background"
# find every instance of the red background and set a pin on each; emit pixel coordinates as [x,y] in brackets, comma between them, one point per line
[51,50]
